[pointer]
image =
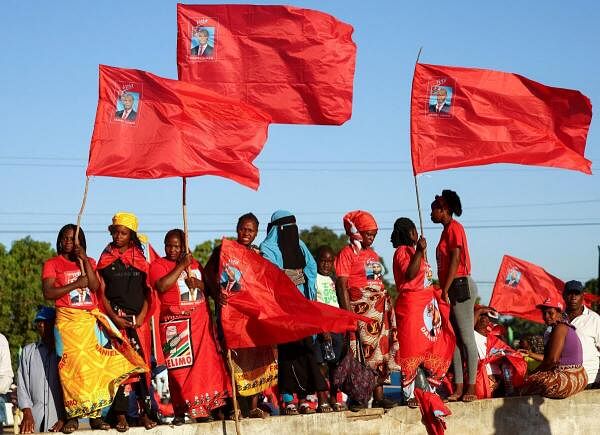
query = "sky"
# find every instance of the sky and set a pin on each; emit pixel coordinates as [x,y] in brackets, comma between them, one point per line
[49,91]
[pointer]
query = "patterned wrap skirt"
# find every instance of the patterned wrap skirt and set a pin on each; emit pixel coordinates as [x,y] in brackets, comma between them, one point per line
[558,383]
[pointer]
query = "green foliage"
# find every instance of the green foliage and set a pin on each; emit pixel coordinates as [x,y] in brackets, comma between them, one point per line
[522,327]
[21,290]
[202,251]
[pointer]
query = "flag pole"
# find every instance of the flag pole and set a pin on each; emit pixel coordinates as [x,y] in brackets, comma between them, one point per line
[236,411]
[76,237]
[415,175]
[185,222]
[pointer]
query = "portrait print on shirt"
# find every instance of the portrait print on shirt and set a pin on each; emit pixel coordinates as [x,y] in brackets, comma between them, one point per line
[186,294]
[441,93]
[374,270]
[128,102]
[203,39]
[79,297]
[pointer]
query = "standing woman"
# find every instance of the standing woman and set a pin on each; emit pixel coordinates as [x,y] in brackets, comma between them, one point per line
[298,370]
[255,369]
[125,297]
[360,278]
[198,380]
[423,335]
[89,371]
[454,273]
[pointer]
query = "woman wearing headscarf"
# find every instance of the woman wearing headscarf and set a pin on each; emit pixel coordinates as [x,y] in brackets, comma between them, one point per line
[458,288]
[425,338]
[95,358]
[255,369]
[126,298]
[298,371]
[198,379]
[561,373]
[360,278]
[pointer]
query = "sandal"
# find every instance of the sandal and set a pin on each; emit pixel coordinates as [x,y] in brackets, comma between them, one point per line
[70,426]
[178,421]
[412,403]
[469,398]
[338,407]
[324,408]
[99,424]
[122,425]
[258,413]
[384,403]
[306,409]
[290,409]
[452,398]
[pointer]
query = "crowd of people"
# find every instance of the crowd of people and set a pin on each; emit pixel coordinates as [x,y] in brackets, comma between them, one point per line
[98,345]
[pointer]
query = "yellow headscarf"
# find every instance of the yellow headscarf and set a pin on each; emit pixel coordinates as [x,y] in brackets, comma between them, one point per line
[128,220]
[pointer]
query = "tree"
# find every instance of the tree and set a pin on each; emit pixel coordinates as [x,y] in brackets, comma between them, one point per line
[21,290]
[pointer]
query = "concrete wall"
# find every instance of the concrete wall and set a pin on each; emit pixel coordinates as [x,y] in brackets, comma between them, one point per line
[512,416]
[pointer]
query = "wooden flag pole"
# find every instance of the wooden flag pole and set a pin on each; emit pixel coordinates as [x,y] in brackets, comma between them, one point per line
[415,175]
[185,222]
[76,237]
[236,409]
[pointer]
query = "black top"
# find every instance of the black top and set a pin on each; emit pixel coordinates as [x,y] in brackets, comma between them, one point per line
[125,287]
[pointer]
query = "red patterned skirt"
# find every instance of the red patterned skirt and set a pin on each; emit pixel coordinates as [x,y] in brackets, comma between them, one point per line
[558,383]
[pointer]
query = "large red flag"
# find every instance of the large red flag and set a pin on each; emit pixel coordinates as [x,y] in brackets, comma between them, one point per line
[468,117]
[151,127]
[521,286]
[264,306]
[295,64]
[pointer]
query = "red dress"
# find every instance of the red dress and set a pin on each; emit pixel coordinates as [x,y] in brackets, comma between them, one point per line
[198,379]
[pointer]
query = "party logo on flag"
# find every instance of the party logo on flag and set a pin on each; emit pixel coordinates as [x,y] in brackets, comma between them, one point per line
[513,276]
[439,102]
[177,346]
[231,276]
[204,39]
[128,99]
[432,320]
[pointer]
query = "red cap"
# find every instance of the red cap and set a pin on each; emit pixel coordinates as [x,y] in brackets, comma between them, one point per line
[552,302]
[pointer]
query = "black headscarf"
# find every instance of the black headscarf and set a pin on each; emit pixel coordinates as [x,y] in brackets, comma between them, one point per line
[288,241]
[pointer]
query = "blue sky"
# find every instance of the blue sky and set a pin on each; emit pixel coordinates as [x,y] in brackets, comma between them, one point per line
[49,86]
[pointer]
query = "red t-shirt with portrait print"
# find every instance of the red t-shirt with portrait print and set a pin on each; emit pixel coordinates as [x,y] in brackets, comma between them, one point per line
[453,236]
[402,259]
[65,272]
[362,270]
[179,293]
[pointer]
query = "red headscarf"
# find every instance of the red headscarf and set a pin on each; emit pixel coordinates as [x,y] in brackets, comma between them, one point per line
[356,221]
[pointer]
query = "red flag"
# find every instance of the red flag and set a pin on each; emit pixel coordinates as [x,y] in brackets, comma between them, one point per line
[295,64]
[433,410]
[521,286]
[264,307]
[468,117]
[589,299]
[151,127]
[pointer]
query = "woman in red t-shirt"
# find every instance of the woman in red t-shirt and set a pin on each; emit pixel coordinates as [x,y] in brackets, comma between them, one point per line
[360,279]
[198,379]
[454,270]
[89,367]
[424,335]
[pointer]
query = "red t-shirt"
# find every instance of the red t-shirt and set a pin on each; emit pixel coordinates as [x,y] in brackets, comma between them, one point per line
[362,270]
[179,293]
[65,272]
[422,279]
[452,237]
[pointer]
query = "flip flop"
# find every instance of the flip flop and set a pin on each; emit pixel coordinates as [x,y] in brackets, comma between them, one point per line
[290,409]
[339,407]
[147,422]
[122,425]
[412,403]
[70,426]
[324,408]
[469,398]
[99,424]
[306,409]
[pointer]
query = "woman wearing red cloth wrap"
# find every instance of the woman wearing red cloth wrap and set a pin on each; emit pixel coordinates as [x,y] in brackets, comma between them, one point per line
[454,273]
[425,337]
[198,380]
[125,298]
[360,278]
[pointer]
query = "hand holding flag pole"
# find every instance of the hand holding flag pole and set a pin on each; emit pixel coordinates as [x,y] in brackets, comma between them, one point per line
[76,236]
[414,174]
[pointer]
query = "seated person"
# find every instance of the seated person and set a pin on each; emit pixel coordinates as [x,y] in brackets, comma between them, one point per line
[500,369]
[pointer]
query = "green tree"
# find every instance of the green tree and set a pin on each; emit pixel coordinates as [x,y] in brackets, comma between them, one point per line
[203,250]
[21,290]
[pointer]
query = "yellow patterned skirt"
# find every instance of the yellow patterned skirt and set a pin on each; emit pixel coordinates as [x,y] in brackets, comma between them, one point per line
[95,359]
[254,369]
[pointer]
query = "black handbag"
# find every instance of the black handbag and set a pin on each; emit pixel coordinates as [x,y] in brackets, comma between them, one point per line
[459,290]
[353,376]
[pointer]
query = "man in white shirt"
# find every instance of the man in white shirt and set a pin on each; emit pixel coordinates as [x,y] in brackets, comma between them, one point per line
[6,375]
[587,324]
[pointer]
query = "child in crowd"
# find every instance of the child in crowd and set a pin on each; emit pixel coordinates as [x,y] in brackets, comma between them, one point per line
[328,347]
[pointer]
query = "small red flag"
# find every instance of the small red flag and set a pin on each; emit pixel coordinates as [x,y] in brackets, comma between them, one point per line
[521,286]
[469,117]
[151,127]
[265,307]
[295,64]
[433,409]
